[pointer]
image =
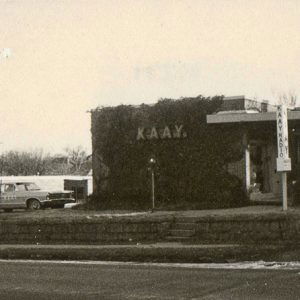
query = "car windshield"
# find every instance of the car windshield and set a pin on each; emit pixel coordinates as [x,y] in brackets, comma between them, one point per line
[27,186]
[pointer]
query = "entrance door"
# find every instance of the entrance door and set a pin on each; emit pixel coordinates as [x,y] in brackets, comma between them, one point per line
[264,177]
[265,167]
[274,175]
[258,166]
[265,181]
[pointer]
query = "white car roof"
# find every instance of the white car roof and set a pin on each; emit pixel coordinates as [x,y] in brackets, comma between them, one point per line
[16,182]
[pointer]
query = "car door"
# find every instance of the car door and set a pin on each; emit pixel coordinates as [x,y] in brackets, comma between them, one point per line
[21,194]
[8,196]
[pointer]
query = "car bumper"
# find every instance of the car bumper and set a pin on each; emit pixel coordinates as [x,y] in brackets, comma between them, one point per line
[57,202]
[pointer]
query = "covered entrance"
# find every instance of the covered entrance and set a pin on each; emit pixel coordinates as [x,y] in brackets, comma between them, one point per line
[257,169]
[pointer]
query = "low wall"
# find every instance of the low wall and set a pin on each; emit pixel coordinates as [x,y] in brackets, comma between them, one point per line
[208,230]
[248,229]
[83,231]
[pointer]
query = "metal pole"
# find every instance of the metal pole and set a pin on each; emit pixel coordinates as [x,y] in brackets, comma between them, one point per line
[153,195]
[247,161]
[284,191]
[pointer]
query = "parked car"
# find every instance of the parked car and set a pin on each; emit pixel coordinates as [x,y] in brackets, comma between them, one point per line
[28,195]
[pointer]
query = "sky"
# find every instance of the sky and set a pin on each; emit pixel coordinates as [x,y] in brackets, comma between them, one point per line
[59,59]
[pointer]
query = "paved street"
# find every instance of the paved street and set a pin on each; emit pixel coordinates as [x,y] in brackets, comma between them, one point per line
[96,280]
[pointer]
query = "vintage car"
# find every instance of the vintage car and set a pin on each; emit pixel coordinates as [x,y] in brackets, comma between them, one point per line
[28,195]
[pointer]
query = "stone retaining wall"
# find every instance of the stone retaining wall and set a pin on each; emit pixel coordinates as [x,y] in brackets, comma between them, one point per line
[86,231]
[248,229]
[214,230]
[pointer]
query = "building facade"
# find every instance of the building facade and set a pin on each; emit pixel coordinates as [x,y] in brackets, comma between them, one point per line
[209,152]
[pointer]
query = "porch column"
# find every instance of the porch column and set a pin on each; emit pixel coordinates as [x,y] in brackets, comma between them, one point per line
[247,161]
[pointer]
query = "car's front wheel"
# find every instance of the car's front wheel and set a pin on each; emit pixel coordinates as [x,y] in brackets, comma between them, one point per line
[34,204]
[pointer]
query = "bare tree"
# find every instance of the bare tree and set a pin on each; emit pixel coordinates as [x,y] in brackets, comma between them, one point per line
[78,159]
[24,163]
[289,99]
[73,161]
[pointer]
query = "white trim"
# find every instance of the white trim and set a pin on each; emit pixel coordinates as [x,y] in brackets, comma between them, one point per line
[244,117]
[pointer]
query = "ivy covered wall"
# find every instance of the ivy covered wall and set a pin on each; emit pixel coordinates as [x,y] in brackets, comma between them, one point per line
[192,156]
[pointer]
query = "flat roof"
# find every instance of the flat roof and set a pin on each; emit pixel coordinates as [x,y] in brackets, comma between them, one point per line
[248,117]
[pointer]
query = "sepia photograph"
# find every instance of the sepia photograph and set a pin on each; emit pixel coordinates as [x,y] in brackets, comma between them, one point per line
[149,149]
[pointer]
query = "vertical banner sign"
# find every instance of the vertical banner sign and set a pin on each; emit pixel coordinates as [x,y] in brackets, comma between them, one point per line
[283,160]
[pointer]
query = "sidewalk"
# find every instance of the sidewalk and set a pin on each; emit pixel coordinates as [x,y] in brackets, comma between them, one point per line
[158,252]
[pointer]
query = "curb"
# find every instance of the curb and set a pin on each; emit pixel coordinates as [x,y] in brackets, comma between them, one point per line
[171,252]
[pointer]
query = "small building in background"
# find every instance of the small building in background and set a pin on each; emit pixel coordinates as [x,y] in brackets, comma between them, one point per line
[81,185]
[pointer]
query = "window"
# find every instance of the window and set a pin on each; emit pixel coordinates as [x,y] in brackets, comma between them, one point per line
[21,187]
[30,186]
[9,188]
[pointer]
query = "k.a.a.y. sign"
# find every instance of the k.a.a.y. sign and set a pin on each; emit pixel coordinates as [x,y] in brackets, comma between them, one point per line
[162,133]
